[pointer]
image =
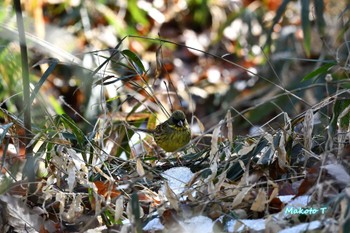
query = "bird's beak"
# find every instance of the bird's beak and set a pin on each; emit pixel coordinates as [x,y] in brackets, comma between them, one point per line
[180,123]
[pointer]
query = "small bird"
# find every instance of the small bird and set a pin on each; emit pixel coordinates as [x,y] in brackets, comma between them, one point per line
[173,133]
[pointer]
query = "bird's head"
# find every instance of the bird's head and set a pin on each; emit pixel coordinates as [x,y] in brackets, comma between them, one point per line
[178,118]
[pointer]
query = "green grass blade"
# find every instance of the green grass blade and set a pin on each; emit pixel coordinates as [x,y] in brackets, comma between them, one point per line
[306,25]
[43,78]
[321,70]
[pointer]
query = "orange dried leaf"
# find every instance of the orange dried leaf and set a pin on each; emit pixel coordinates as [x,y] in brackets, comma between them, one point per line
[107,189]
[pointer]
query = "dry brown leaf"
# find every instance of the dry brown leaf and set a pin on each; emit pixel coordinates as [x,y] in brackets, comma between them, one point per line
[214,141]
[246,149]
[107,189]
[200,124]
[242,165]
[147,196]
[275,190]
[282,153]
[240,196]
[307,129]
[18,216]
[221,180]
[260,201]
[139,167]
[229,125]
[119,208]
[171,196]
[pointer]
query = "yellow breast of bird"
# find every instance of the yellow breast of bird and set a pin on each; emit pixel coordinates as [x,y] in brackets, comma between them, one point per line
[172,138]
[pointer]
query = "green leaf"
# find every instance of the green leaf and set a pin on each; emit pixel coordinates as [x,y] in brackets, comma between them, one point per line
[78,133]
[135,209]
[137,63]
[321,70]
[56,105]
[306,25]
[137,14]
[320,22]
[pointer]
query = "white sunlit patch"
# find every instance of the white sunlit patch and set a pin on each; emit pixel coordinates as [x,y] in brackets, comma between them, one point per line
[193,77]
[256,28]
[286,198]
[154,225]
[201,224]
[72,82]
[181,5]
[256,50]
[164,85]
[58,82]
[199,92]
[288,30]
[145,64]
[240,85]
[195,128]
[268,16]
[255,131]
[244,224]
[252,71]
[180,86]
[253,78]
[304,227]
[204,39]
[12,149]
[135,140]
[112,89]
[233,31]
[251,82]
[198,42]
[177,178]
[158,3]
[107,35]
[177,62]
[153,12]
[157,15]
[289,13]
[108,147]
[213,75]
[300,201]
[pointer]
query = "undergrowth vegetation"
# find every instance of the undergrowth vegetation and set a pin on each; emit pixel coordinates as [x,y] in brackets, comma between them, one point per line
[263,84]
